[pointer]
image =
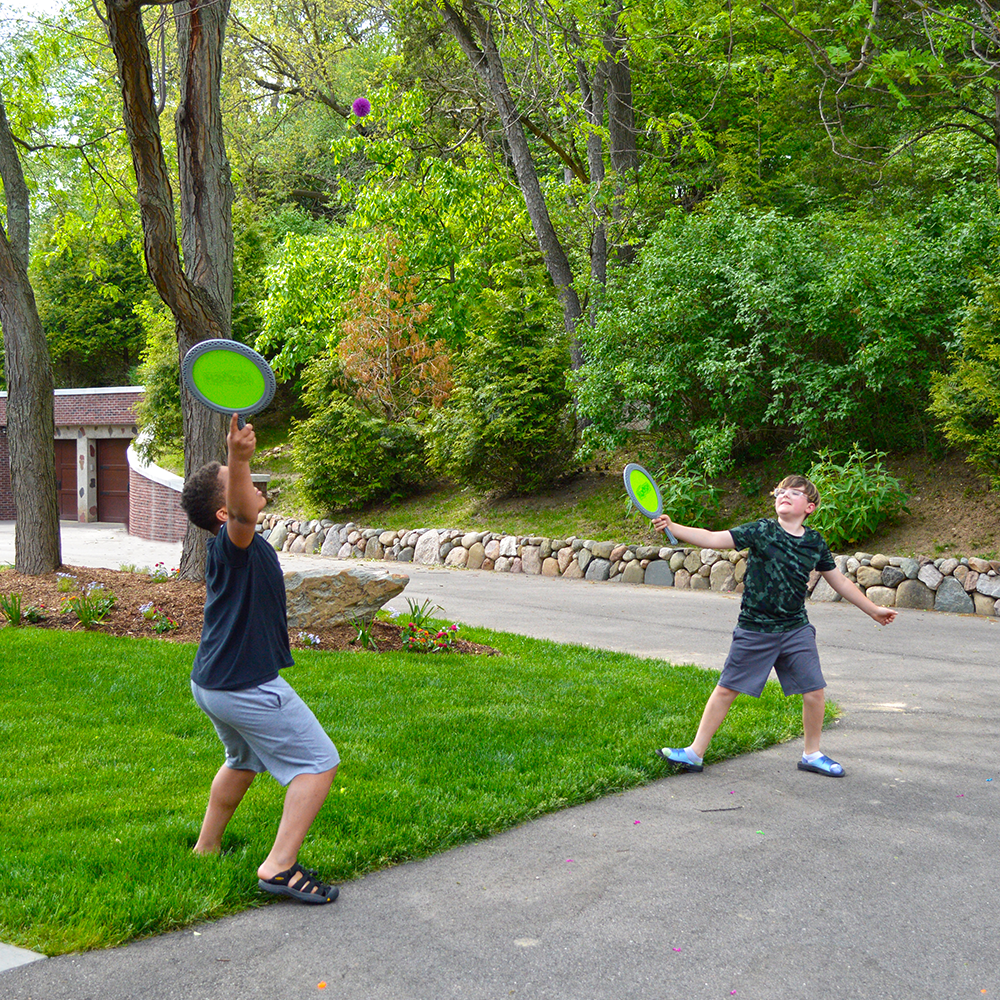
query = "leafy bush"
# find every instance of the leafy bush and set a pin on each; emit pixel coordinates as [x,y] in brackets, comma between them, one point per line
[966,398]
[346,456]
[689,498]
[741,335]
[857,496]
[509,424]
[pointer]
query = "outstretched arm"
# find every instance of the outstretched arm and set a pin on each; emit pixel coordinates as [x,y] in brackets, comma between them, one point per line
[701,537]
[850,592]
[241,496]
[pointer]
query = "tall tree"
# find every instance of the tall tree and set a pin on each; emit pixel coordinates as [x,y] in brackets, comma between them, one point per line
[199,294]
[474,33]
[30,414]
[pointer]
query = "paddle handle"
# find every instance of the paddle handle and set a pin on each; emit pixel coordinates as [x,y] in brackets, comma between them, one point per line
[670,536]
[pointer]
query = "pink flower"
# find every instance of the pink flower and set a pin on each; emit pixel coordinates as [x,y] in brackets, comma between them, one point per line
[361,107]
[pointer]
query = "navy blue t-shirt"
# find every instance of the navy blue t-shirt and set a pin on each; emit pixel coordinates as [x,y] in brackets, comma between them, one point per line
[244,639]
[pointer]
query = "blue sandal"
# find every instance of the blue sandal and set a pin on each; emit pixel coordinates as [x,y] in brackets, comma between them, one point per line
[680,758]
[822,765]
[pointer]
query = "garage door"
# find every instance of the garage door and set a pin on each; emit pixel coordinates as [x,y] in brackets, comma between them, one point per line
[66,479]
[112,480]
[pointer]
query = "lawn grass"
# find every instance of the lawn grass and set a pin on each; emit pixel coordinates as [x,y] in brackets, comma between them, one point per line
[107,763]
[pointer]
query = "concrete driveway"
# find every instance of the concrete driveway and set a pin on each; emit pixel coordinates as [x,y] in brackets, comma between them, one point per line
[752,880]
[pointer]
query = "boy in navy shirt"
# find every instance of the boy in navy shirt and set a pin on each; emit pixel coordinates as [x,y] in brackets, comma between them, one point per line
[263,724]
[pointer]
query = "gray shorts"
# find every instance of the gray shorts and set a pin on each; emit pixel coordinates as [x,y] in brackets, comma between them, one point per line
[268,728]
[793,655]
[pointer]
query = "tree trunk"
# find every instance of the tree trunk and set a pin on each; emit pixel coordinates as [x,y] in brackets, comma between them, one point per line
[206,194]
[482,52]
[30,416]
[200,294]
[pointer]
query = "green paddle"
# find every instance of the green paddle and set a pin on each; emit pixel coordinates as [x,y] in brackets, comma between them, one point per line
[645,494]
[228,377]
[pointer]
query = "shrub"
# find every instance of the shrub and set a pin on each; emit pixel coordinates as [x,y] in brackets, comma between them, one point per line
[509,425]
[689,498]
[346,456]
[857,496]
[966,398]
[752,334]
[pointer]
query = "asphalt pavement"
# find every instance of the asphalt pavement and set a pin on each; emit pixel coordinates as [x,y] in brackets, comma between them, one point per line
[751,880]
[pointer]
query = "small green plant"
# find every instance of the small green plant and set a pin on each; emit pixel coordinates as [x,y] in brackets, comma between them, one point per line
[160,574]
[66,582]
[10,608]
[423,640]
[128,568]
[309,639]
[159,620]
[420,614]
[91,606]
[857,496]
[364,637]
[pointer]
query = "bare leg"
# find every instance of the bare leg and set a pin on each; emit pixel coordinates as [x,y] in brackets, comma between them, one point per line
[228,788]
[813,709]
[716,709]
[305,795]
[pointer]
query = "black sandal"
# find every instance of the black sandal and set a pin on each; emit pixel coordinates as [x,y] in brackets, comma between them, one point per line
[308,889]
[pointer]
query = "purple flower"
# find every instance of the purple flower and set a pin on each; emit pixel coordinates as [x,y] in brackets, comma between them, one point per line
[361,106]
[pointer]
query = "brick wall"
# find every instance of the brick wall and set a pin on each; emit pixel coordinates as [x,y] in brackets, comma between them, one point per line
[154,502]
[75,407]
[7,512]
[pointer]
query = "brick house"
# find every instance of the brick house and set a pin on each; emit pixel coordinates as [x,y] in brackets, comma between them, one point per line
[99,476]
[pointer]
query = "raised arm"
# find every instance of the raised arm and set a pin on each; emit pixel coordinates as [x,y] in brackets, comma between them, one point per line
[242,499]
[701,537]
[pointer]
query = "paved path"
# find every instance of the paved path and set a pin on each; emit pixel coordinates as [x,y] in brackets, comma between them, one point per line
[752,880]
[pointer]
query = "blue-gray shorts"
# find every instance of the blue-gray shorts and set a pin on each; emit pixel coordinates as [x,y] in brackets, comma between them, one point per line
[793,655]
[268,728]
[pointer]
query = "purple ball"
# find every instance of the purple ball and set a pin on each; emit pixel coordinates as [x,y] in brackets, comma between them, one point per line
[361,107]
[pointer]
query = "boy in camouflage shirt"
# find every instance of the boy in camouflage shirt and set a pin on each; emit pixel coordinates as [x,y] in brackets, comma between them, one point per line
[773,629]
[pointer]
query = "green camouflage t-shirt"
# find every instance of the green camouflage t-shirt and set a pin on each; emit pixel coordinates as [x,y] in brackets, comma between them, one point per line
[778,568]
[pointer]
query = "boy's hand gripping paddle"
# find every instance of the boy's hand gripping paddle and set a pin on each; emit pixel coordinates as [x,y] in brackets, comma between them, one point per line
[645,494]
[228,377]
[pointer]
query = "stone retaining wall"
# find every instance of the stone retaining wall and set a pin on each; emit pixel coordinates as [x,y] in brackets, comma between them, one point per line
[960,586]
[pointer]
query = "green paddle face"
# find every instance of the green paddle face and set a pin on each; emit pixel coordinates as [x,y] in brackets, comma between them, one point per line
[231,381]
[228,377]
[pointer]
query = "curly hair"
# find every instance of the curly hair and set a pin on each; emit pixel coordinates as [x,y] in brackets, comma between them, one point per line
[202,496]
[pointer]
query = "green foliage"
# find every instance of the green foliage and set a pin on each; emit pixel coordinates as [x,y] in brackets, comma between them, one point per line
[420,614]
[10,608]
[966,397]
[87,288]
[456,222]
[159,410]
[780,336]
[689,498]
[348,457]
[857,496]
[509,423]
[91,606]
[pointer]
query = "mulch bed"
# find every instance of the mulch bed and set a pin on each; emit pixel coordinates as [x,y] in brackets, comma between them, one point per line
[180,600]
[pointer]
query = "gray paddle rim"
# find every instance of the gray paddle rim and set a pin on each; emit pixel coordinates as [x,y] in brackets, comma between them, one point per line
[232,378]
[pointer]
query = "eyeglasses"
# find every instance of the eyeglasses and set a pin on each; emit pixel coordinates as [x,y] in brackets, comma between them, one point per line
[784,491]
